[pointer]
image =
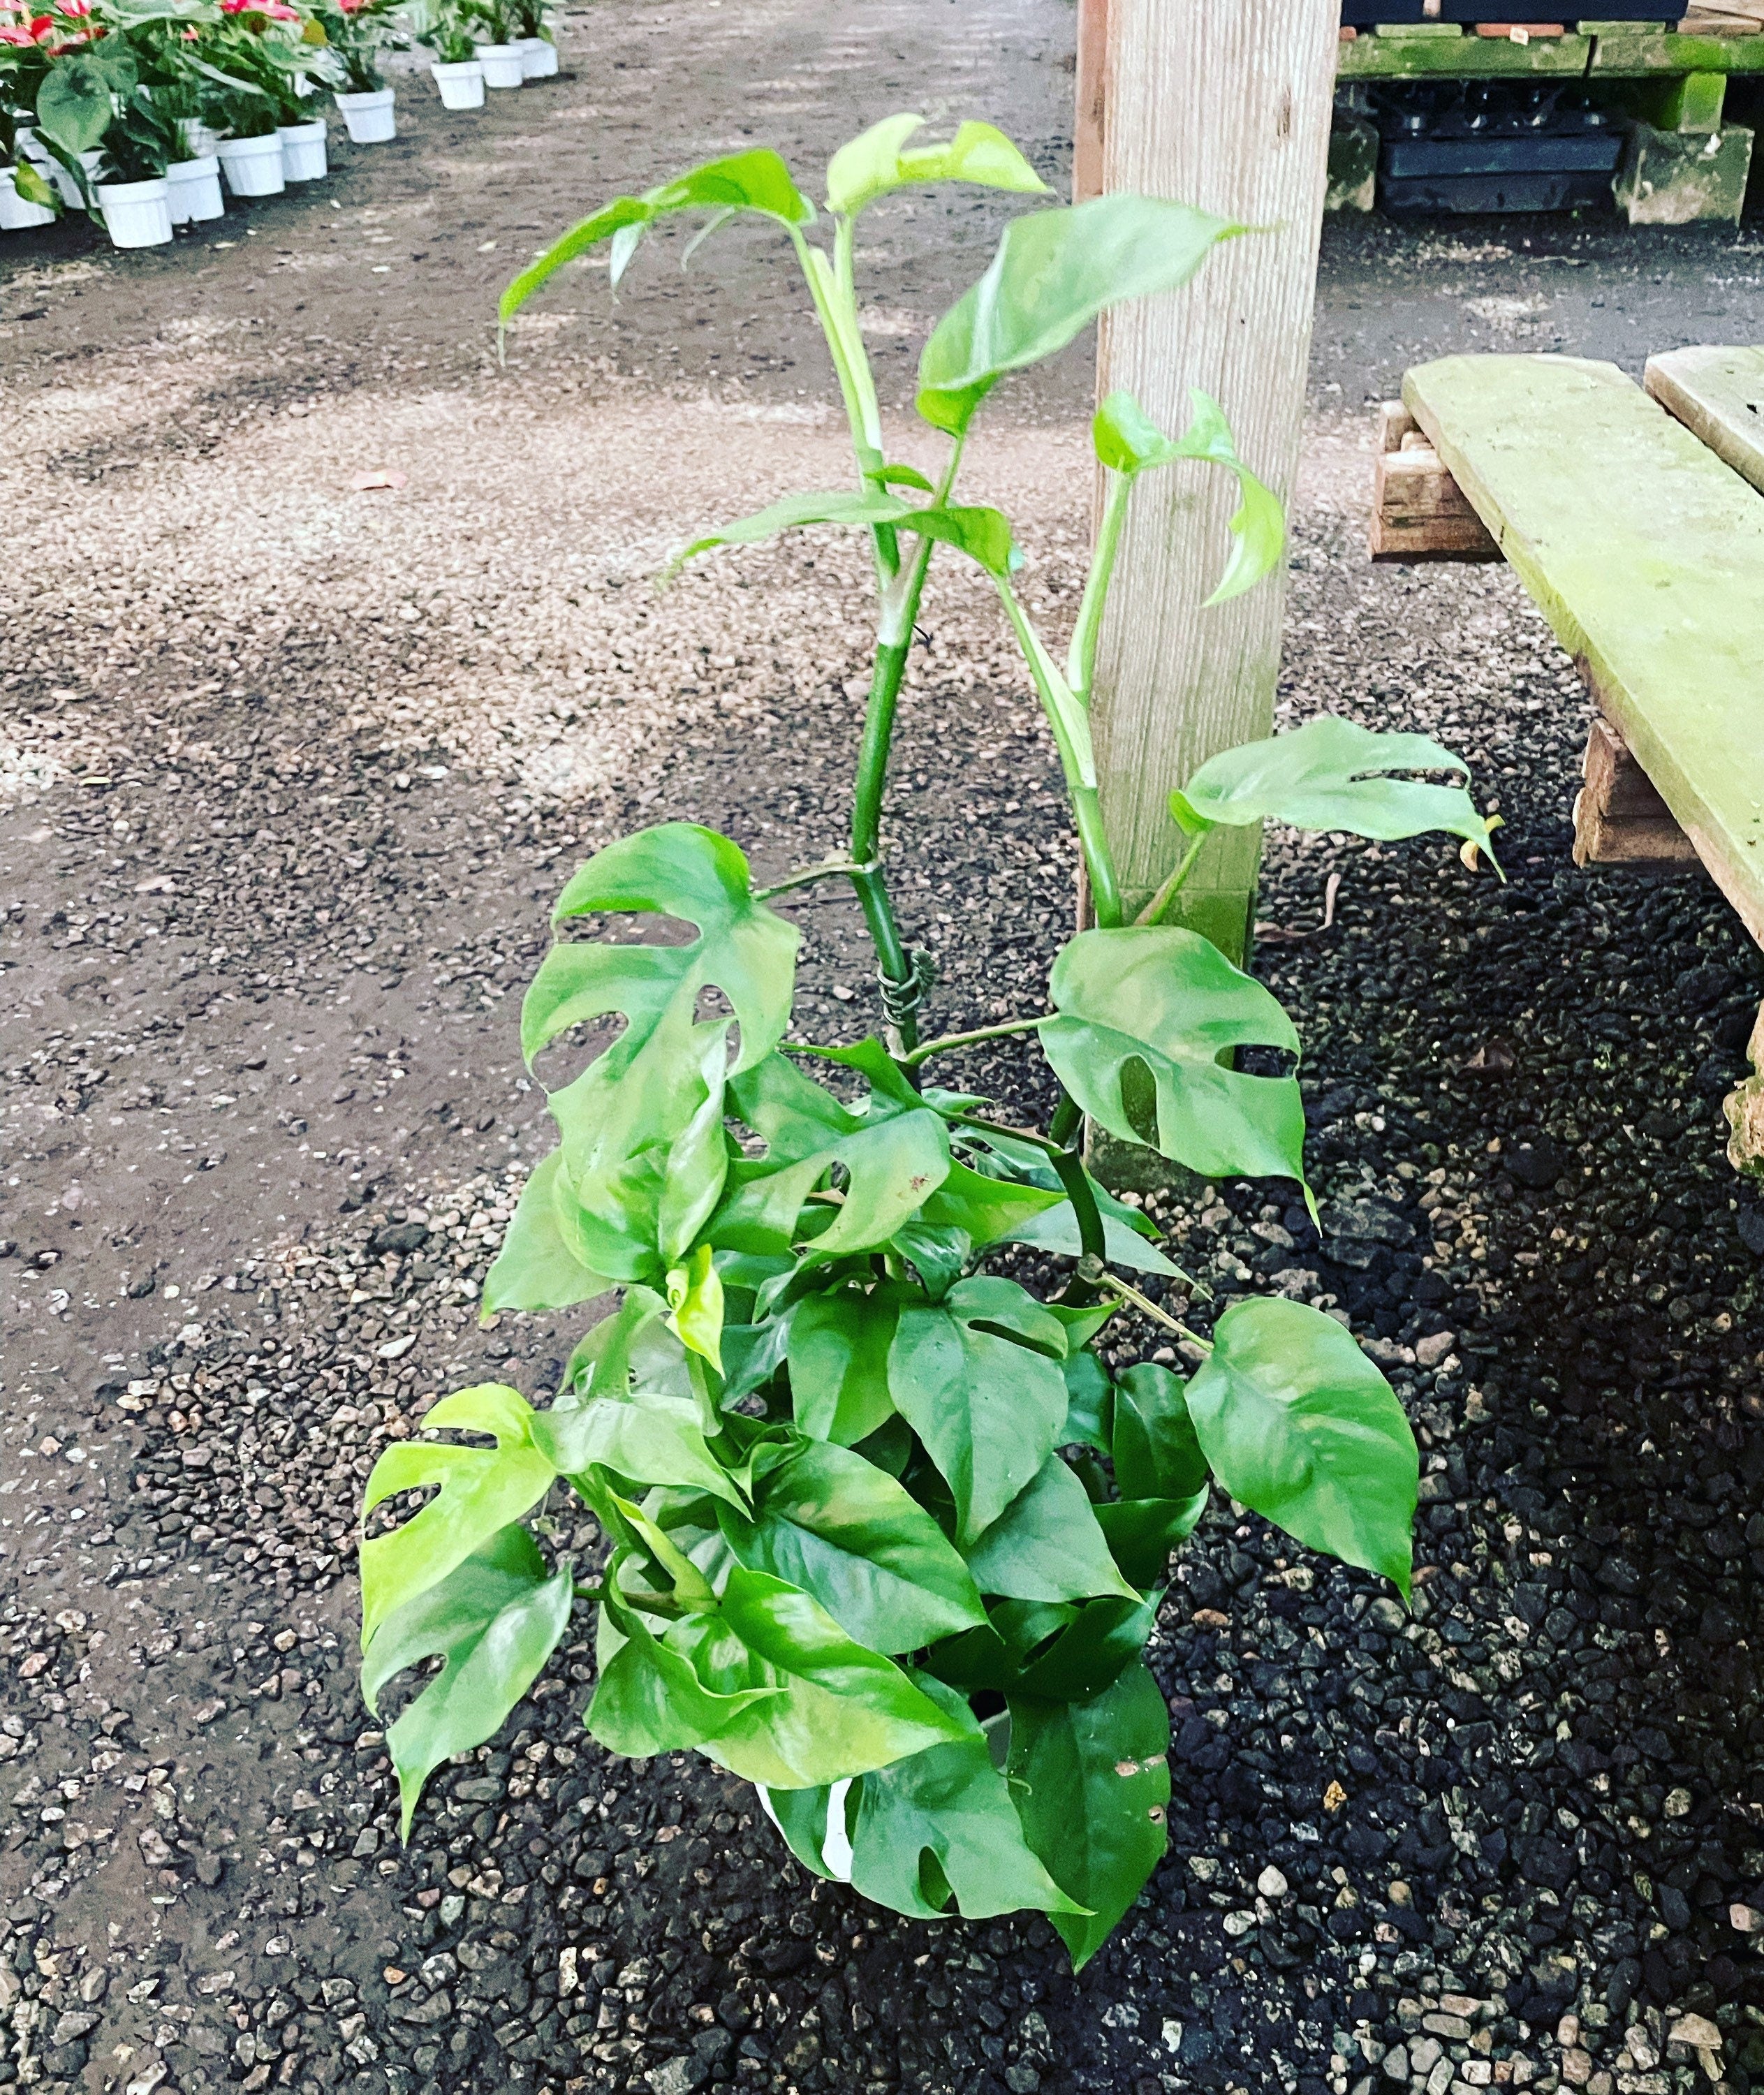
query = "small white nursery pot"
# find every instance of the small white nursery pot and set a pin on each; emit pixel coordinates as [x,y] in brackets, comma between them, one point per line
[503,64]
[369,117]
[252,166]
[461,83]
[135,214]
[193,190]
[304,158]
[538,58]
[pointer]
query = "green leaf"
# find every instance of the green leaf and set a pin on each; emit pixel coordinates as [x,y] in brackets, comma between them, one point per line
[830,1522]
[804,1818]
[1054,270]
[695,1305]
[879,160]
[651,1700]
[846,1710]
[743,948]
[31,188]
[1090,1401]
[536,1269]
[1046,1545]
[1092,1782]
[1152,1439]
[1106,1636]
[839,1360]
[482,1490]
[1142,1532]
[796,512]
[1148,1017]
[1056,1230]
[73,104]
[1298,1424]
[496,1618]
[648,1440]
[757,181]
[632,1345]
[1334,774]
[1128,441]
[978,1377]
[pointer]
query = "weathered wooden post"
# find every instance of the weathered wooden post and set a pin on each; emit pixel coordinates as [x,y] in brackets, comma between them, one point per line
[1224,104]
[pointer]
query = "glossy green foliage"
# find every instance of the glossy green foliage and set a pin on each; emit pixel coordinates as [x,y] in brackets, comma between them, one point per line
[1148,1021]
[883,1534]
[74,104]
[1054,270]
[1334,774]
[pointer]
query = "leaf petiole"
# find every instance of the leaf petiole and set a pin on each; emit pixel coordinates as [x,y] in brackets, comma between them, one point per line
[1112,1283]
[1153,910]
[948,1041]
[830,869]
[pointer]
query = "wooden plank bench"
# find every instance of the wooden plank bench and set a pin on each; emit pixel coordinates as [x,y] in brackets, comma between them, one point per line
[1644,547]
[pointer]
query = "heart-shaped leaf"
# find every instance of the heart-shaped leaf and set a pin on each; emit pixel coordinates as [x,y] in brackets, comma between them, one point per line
[978,1376]
[1148,1017]
[495,1618]
[482,1490]
[1332,774]
[839,1360]
[879,161]
[1046,1545]
[1054,270]
[536,1268]
[1299,1425]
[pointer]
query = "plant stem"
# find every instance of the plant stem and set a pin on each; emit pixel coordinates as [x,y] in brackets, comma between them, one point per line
[829,869]
[1092,1250]
[1112,1283]
[949,1040]
[1153,910]
[1081,662]
[1068,1118]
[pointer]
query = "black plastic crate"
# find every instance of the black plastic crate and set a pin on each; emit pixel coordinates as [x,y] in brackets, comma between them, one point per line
[1437,195]
[1493,145]
[1367,13]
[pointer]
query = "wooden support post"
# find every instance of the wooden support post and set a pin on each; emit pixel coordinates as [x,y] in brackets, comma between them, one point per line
[1092,113]
[1618,817]
[1224,104]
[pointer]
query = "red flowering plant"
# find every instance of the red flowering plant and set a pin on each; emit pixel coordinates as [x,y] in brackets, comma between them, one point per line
[356,32]
[268,49]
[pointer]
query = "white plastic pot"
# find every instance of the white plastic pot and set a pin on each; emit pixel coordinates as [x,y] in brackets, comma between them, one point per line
[16,214]
[369,117]
[304,158]
[252,166]
[538,58]
[200,141]
[51,169]
[135,214]
[193,190]
[503,64]
[461,84]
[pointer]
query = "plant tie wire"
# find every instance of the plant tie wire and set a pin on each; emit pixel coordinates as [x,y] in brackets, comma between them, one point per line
[901,999]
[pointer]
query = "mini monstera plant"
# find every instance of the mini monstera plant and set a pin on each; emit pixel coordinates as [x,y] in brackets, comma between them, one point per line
[883,1534]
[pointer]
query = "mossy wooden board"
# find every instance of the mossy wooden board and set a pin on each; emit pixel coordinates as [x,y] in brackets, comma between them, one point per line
[1462,58]
[1719,395]
[1615,56]
[1646,555]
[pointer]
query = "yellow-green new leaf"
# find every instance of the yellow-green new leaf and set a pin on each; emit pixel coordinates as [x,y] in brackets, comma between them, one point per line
[880,160]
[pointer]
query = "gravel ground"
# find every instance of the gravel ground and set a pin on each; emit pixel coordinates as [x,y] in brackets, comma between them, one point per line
[289,775]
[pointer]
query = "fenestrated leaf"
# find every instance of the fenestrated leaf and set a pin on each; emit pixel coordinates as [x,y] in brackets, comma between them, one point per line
[674,869]
[1333,774]
[757,181]
[1054,270]
[482,1490]
[1091,1780]
[495,1618]
[1046,1545]
[846,1710]
[650,1700]
[879,160]
[1168,1000]
[940,1826]
[536,1269]
[1298,1424]
[839,1360]
[832,1524]
[978,1376]
[1129,442]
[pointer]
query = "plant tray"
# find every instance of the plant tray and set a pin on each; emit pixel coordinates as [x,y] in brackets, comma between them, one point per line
[1369,14]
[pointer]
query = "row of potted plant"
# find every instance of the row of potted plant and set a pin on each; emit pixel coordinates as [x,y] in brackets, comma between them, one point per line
[136,109]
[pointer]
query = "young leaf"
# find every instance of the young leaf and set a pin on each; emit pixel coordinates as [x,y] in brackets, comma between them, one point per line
[1164,1006]
[536,1269]
[1054,270]
[978,1377]
[650,1700]
[1333,774]
[1128,441]
[495,1618]
[1298,1424]
[647,1440]
[482,1489]
[632,1345]
[838,1360]
[757,181]
[845,1710]
[1046,1545]
[695,1305]
[794,513]
[832,1524]
[1091,1783]
[879,161]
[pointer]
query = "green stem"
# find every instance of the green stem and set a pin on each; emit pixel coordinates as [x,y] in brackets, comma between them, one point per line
[829,869]
[1112,1283]
[1081,662]
[949,1040]
[1068,1118]
[1107,908]
[1153,910]
[1081,1290]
